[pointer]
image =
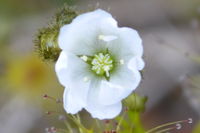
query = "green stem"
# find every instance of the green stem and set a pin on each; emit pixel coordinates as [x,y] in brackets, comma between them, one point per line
[98,124]
[120,122]
[74,119]
[68,127]
[79,121]
[135,102]
[135,119]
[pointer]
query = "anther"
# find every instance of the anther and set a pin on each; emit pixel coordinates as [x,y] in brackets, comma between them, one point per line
[100,37]
[84,58]
[107,38]
[85,79]
[107,74]
[102,64]
[121,62]
[107,69]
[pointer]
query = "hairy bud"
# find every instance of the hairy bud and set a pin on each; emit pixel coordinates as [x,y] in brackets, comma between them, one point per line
[46,41]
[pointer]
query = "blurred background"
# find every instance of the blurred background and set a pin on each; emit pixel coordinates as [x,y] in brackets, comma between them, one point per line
[171,37]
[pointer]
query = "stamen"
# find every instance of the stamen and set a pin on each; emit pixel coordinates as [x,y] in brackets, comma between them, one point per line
[100,37]
[85,79]
[84,58]
[102,64]
[107,74]
[121,62]
[107,38]
[106,69]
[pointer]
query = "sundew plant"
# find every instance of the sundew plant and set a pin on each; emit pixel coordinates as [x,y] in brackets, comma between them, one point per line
[99,65]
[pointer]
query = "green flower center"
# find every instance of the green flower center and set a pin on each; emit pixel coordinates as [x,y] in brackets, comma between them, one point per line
[102,64]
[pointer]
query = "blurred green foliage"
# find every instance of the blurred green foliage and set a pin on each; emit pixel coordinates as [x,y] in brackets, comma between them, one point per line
[17,8]
[197,128]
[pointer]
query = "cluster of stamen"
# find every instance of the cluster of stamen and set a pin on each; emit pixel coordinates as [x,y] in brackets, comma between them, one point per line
[102,64]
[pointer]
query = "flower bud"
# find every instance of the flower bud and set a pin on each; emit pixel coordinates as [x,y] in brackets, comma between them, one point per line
[135,102]
[64,16]
[46,41]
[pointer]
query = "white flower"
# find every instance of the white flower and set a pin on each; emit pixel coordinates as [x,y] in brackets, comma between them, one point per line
[99,64]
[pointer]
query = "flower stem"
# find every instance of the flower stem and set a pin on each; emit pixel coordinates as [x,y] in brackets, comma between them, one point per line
[79,121]
[68,127]
[98,124]
[120,121]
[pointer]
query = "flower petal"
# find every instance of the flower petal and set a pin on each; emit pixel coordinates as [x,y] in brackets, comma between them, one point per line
[119,86]
[75,96]
[127,45]
[71,104]
[68,67]
[131,40]
[80,37]
[96,109]
[127,77]
[136,63]
[71,72]
[104,112]
[61,67]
